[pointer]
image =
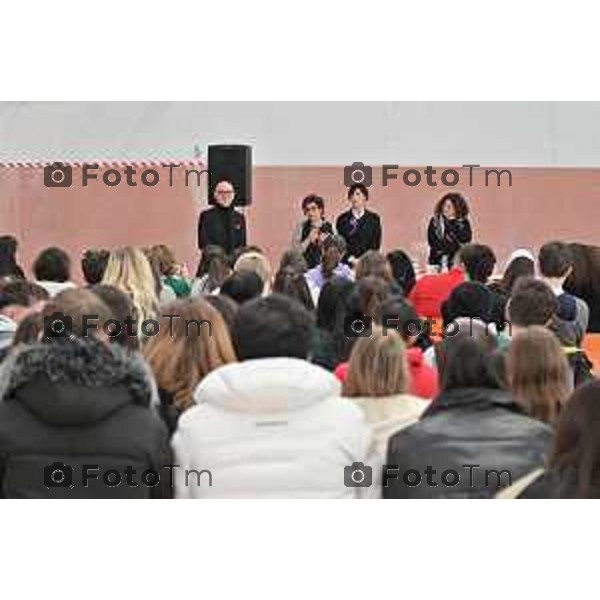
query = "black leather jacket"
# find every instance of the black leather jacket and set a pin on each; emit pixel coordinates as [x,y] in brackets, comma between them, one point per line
[471,426]
[446,237]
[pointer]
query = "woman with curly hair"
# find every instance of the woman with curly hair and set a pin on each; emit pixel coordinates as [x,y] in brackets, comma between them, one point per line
[448,230]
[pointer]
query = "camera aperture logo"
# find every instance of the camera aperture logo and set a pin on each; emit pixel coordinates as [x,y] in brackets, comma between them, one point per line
[58,475]
[358,475]
[60,175]
[360,174]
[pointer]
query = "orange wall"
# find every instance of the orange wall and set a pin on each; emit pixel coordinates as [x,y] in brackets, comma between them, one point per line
[543,203]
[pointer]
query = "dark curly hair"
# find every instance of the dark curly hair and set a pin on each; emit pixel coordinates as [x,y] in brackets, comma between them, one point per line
[459,203]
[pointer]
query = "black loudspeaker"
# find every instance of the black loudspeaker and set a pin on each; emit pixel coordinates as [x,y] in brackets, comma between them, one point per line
[232,163]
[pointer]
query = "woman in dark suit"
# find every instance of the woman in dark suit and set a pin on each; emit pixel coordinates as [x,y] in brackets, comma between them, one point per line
[361,228]
[448,229]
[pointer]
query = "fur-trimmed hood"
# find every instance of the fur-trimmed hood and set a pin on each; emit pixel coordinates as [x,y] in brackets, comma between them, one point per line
[74,381]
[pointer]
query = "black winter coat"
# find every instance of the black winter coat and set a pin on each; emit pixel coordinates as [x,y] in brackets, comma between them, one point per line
[225,227]
[167,410]
[78,402]
[473,426]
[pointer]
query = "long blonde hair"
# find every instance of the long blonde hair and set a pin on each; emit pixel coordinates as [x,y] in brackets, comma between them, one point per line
[129,270]
[378,366]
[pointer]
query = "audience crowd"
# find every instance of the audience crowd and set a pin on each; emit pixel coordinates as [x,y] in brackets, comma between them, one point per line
[340,373]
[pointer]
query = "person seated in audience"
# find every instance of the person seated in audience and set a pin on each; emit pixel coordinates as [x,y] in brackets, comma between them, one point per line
[187,348]
[9,268]
[469,301]
[449,228]
[364,300]
[431,290]
[325,351]
[360,228]
[18,298]
[472,300]
[475,262]
[273,425]
[573,464]
[121,307]
[293,259]
[310,234]
[474,421]
[213,270]
[52,270]
[378,380]
[331,266]
[521,263]
[130,271]
[225,306]
[478,262]
[538,373]
[556,263]
[244,250]
[375,264]
[292,283]
[74,401]
[171,274]
[164,293]
[258,263]
[394,313]
[29,330]
[402,270]
[93,265]
[584,280]
[242,286]
[534,303]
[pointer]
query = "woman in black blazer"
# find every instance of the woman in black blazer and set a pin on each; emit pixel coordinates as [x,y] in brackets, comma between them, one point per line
[361,228]
[449,229]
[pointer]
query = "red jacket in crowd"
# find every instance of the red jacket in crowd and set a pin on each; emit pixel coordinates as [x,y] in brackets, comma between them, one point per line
[430,291]
[423,378]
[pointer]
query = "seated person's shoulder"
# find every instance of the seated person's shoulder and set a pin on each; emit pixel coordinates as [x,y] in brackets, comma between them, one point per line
[567,307]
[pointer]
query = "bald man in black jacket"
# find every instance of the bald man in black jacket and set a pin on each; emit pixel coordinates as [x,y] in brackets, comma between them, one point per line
[222,225]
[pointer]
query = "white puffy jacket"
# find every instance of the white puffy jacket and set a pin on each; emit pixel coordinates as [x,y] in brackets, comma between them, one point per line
[270,428]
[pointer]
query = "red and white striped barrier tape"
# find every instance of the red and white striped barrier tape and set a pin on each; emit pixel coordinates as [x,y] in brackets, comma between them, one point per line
[105,163]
